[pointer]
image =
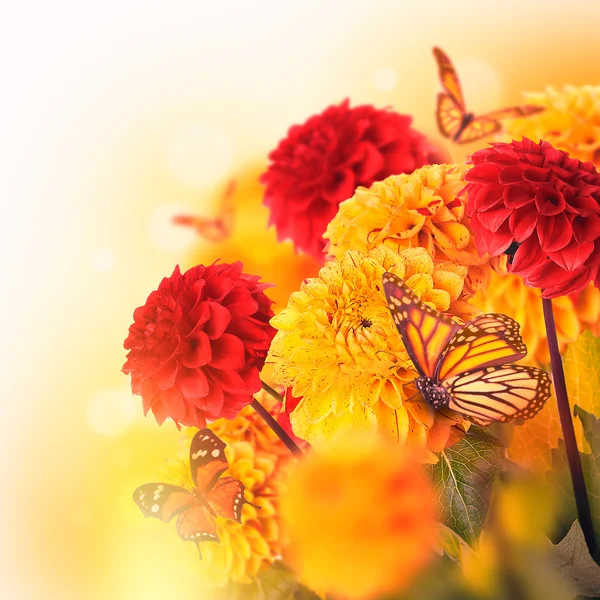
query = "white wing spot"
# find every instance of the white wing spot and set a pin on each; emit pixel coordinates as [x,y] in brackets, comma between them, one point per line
[155,508]
[215,452]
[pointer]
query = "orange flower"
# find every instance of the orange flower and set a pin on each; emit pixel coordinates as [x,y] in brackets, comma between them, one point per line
[405,211]
[587,307]
[361,518]
[508,294]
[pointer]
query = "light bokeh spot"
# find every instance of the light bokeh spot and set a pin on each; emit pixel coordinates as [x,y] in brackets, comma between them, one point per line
[112,411]
[200,155]
[167,235]
[102,259]
[385,78]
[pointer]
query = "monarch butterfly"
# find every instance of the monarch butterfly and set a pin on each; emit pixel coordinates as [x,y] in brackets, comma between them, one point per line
[466,368]
[197,508]
[452,118]
[219,228]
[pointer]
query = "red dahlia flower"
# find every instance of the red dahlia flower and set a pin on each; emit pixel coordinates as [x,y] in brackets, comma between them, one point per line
[198,344]
[320,164]
[548,204]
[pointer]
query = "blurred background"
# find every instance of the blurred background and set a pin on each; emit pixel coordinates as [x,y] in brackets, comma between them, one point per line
[116,116]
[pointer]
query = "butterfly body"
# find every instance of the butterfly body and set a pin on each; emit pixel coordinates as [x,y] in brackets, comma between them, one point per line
[434,393]
[466,119]
[196,509]
[454,121]
[467,368]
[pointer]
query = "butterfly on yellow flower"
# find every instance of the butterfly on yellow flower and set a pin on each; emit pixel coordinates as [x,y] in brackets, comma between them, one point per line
[467,367]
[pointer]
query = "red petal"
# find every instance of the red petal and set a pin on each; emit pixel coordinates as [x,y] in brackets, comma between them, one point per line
[518,195]
[217,287]
[372,162]
[165,376]
[220,318]
[586,229]
[228,352]
[192,383]
[549,201]
[173,403]
[522,222]
[499,241]
[229,381]
[572,256]
[554,233]
[250,329]
[483,173]
[486,196]
[341,188]
[528,255]
[196,350]
[537,175]
[510,175]
[494,218]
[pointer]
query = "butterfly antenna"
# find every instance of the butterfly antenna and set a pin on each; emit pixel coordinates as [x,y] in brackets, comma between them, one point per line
[411,397]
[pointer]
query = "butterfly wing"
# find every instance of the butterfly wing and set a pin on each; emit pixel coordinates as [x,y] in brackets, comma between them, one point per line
[514,112]
[449,115]
[207,459]
[449,78]
[477,128]
[489,123]
[499,393]
[227,498]
[197,525]
[486,341]
[425,332]
[162,500]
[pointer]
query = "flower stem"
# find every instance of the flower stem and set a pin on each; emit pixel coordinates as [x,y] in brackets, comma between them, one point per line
[277,428]
[274,393]
[566,423]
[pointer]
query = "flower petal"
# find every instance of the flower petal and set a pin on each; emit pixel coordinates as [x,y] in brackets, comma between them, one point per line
[192,383]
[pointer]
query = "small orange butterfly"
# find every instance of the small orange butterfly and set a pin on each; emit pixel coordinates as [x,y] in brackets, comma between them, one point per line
[219,228]
[454,121]
[197,508]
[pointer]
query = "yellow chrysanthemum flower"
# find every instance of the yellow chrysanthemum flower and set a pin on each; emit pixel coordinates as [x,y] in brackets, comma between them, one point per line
[420,209]
[369,525]
[508,294]
[338,349]
[571,121]
[260,463]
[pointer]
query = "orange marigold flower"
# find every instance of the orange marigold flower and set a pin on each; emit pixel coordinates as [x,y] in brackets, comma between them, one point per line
[417,210]
[369,525]
[571,121]
[509,295]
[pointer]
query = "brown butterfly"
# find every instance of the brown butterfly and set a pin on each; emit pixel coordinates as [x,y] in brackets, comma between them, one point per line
[197,508]
[219,228]
[454,121]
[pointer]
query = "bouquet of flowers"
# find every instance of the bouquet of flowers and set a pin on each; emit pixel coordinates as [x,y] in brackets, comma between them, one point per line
[403,426]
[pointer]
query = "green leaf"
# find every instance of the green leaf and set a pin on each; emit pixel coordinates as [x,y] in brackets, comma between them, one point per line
[463,479]
[572,559]
[452,545]
[560,475]
[582,374]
